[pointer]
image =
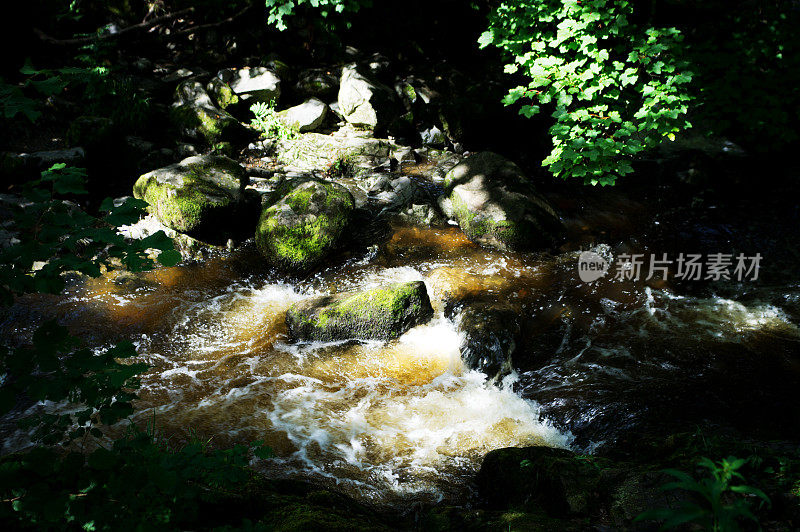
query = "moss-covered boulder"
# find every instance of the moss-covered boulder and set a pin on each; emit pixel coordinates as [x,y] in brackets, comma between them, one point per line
[222,93]
[303,222]
[196,116]
[379,314]
[202,196]
[497,206]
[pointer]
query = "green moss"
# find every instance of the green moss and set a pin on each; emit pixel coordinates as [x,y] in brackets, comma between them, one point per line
[226,97]
[182,208]
[382,313]
[207,123]
[511,235]
[301,243]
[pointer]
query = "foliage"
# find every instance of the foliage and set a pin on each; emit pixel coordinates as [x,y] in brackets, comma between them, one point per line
[718,499]
[269,123]
[748,70]
[54,236]
[141,481]
[13,99]
[343,166]
[56,369]
[279,10]
[615,88]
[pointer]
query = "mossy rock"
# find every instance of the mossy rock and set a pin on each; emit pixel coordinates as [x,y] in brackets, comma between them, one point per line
[496,206]
[303,222]
[379,314]
[207,124]
[222,93]
[201,196]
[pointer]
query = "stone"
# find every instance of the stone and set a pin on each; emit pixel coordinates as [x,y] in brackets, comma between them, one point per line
[195,115]
[202,196]
[317,82]
[382,313]
[491,334]
[433,136]
[364,101]
[303,222]
[307,116]
[530,478]
[222,93]
[497,206]
[256,84]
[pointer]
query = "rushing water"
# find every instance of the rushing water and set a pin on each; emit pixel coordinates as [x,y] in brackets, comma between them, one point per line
[407,418]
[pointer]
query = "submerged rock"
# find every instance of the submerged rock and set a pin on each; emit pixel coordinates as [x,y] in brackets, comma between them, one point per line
[491,335]
[307,116]
[202,196]
[303,223]
[495,205]
[380,314]
[365,102]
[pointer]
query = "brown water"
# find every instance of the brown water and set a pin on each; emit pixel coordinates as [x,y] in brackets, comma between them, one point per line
[389,421]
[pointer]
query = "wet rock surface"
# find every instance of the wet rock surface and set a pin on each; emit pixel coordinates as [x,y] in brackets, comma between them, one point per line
[379,314]
[496,205]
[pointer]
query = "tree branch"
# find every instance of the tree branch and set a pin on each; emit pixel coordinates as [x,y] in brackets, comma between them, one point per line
[85,40]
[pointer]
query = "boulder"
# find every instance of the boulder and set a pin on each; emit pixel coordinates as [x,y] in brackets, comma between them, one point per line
[195,115]
[257,84]
[491,334]
[317,82]
[303,222]
[379,314]
[543,478]
[202,196]
[222,93]
[307,116]
[496,206]
[365,102]
[433,136]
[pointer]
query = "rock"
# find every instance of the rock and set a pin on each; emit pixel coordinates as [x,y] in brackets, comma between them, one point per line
[422,214]
[365,102]
[202,196]
[496,206]
[222,93]
[303,222]
[529,478]
[307,116]
[317,82]
[433,136]
[196,116]
[491,334]
[257,84]
[379,314]
[316,152]
[157,159]
[17,163]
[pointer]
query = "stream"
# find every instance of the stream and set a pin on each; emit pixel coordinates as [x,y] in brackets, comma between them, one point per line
[407,420]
